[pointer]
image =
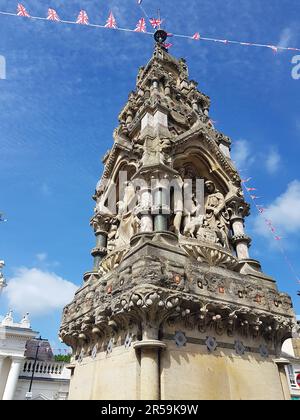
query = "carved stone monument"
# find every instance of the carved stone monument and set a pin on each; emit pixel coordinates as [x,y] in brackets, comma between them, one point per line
[174,307]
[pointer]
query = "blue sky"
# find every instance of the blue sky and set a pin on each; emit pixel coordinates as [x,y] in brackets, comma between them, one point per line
[59,104]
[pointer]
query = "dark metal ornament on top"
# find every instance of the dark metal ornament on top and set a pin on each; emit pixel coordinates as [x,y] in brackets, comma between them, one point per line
[160,36]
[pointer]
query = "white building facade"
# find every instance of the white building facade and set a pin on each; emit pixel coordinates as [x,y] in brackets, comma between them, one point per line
[291,351]
[51,381]
[13,339]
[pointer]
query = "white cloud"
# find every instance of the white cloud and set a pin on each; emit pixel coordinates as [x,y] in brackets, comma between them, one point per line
[38,292]
[273,161]
[241,154]
[284,212]
[42,256]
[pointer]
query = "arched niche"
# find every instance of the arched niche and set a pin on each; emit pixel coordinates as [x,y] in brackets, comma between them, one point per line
[197,165]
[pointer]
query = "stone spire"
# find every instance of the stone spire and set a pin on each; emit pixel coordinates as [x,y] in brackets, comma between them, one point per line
[171,261]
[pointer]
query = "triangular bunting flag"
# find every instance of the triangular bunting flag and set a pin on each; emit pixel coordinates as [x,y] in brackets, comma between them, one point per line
[21,11]
[111,22]
[141,26]
[83,18]
[52,15]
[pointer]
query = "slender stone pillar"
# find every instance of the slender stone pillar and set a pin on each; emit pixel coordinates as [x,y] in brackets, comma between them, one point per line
[1,364]
[12,379]
[2,377]
[160,205]
[238,210]
[242,241]
[150,375]
[146,216]
[100,251]
[281,363]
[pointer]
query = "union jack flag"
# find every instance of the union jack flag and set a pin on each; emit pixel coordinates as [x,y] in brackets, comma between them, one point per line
[141,26]
[196,36]
[155,22]
[21,11]
[111,22]
[52,15]
[83,18]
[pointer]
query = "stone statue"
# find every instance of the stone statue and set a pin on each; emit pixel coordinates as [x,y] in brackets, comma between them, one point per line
[193,219]
[214,204]
[129,223]
[216,220]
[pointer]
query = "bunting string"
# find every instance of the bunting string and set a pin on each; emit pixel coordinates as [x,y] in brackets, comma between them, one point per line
[274,231]
[141,27]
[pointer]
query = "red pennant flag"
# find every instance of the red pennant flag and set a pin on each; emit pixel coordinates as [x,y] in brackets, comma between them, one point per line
[168,45]
[251,189]
[52,15]
[196,36]
[170,35]
[83,18]
[278,238]
[155,22]
[21,11]
[261,209]
[141,26]
[111,22]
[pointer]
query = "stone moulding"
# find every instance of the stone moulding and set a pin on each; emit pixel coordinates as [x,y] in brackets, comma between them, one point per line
[112,261]
[155,306]
[214,256]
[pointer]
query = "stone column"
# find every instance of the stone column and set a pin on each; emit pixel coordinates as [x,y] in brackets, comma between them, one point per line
[145,209]
[101,224]
[2,378]
[99,251]
[1,364]
[161,207]
[281,363]
[150,375]
[12,379]
[238,209]
[240,240]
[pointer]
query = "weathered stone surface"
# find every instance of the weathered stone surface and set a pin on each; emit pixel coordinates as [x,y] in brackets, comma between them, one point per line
[161,267]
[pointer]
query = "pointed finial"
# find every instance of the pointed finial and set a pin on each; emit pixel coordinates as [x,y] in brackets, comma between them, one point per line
[8,319]
[25,321]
